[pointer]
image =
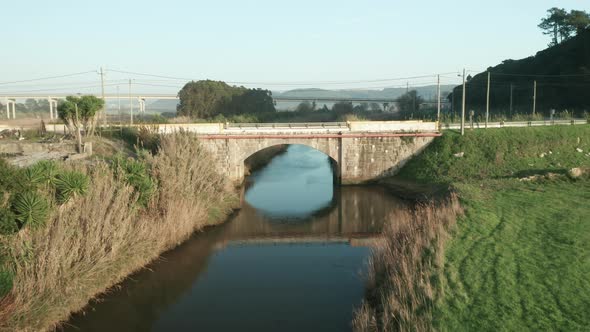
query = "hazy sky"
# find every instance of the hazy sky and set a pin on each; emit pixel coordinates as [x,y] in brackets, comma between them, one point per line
[265,41]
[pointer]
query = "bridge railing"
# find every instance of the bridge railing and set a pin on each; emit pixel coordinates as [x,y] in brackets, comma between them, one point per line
[537,123]
[301,125]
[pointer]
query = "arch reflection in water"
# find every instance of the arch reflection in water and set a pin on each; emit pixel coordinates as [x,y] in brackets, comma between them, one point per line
[257,272]
[294,184]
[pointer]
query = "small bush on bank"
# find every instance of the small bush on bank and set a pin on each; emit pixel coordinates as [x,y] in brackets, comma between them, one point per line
[136,173]
[8,223]
[9,177]
[6,279]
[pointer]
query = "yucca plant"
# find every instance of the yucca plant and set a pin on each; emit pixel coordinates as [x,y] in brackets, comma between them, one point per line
[48,169]
[33,175]
[30,208]
[43,172]
[70,184]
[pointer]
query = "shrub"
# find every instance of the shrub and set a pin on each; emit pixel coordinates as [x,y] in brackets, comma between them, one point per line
[148,138]
[8,223]
[136,174]
[70,184]
[6,277]
[9,177]
[30,208]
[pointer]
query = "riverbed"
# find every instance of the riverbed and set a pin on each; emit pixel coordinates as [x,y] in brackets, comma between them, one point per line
[291,259]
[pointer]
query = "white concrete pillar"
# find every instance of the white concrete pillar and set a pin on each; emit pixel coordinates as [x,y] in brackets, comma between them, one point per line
[50,108]
[54,107]
[10,103]
[141,105]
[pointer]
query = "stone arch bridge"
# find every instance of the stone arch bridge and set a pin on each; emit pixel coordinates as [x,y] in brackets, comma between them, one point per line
[359,151]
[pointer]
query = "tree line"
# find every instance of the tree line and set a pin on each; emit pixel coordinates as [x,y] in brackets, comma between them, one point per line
[207,99]
[407,106]
[561,25]
[30,106]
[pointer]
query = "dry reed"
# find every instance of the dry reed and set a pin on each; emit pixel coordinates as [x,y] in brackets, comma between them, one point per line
[400,280]
[95,241]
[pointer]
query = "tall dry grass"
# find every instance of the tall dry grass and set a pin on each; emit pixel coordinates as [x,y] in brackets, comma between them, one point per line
[400,281]
[95,241]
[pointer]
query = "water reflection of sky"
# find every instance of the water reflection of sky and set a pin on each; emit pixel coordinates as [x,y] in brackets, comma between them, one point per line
[294,184]
[257,272]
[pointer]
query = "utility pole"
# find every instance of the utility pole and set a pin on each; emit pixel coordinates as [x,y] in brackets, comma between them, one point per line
[511,90]
[119,111]
[413,103]
[438,98]
[407,87]
[463,106]
[534,96]
[488,101]
[130,105]
[453,104]
[104,108]
[78,129]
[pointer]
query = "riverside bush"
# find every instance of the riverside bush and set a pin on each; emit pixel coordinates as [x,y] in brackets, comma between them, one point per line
[99,238]
[5,281]
[8,224]
[136,174]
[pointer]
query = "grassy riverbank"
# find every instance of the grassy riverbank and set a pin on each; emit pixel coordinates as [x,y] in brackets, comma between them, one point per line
[121,215]
[518,257]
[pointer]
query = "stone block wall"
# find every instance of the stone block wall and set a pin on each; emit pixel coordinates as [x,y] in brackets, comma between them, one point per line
[354,159]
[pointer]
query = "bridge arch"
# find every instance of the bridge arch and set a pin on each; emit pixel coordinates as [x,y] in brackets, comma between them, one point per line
[231,154]
[261,158]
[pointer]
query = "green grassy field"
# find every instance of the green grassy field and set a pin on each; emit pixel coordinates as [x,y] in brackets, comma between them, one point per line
[520,257]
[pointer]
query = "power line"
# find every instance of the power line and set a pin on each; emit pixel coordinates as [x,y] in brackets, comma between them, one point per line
[46,78]
[57,89]
[540,75]
[60,84]
[286,83]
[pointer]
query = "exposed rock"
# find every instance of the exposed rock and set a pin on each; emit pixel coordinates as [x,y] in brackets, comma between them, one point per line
[548,176]
[575,172]
[542,155]
[459,155]
[579,150]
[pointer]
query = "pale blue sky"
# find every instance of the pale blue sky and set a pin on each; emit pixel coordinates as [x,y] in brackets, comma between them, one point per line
[268,41]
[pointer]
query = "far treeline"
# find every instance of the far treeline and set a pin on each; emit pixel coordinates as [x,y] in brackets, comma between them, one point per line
[208,99]
[560,73]
[217,101]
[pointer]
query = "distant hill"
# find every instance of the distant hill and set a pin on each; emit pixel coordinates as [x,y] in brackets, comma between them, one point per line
[161,106]
[427,92]
[562,73]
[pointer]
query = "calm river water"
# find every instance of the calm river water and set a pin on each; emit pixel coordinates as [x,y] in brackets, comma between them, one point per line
[290,260]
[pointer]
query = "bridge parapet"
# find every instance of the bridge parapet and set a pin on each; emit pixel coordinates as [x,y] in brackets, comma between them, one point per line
[359,151]
[303,128]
